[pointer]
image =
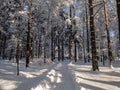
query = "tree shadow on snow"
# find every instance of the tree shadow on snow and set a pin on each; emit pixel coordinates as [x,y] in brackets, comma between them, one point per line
[39,81]
[92,74]
[112,83]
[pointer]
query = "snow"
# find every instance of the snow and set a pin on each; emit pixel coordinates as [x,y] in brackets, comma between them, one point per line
[105,79]
[59,76]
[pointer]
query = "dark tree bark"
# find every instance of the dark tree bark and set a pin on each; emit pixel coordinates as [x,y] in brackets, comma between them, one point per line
[62,42]
[118,13]
[59,56]
[0,44]
[75,51]
[44,51]
[39,47]
[17,56]
[93,40]
[4,47]
[28,42]
[103,58]
[70,37]
[11,54]
[52,45]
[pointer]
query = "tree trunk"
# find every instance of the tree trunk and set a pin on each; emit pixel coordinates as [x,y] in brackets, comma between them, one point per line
[46,33]
[88,48]
[0,44]
[52,45]
[28,44]
[110,55]
[11,54]
[39,48]
[54,48]
[4,46]
[93,40]
[84,49]
[59,46]
[18,47]
[17,57]
[75,52]
[70,37]
[44,51]
[103,58]
[118,13]
[62,49]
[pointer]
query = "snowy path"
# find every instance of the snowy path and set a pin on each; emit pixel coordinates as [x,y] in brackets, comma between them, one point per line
[55,76]
[67,79]
[59,76]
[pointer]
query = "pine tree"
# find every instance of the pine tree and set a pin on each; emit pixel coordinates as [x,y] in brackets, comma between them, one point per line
[93,40]
[70,37]
[87,27]
[28,44]
[118,13]
[110,55]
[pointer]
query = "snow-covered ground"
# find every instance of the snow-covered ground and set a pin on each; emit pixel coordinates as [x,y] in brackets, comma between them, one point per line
[59,76]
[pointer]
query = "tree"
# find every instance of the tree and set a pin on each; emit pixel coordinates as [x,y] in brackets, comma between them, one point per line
[93,40]
[70,37]
[84,47]
[118,13]
[88,47]
[52,44]
[4,26]
[110,55]
[28,47]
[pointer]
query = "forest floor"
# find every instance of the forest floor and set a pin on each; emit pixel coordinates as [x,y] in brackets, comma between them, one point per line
[59,76]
